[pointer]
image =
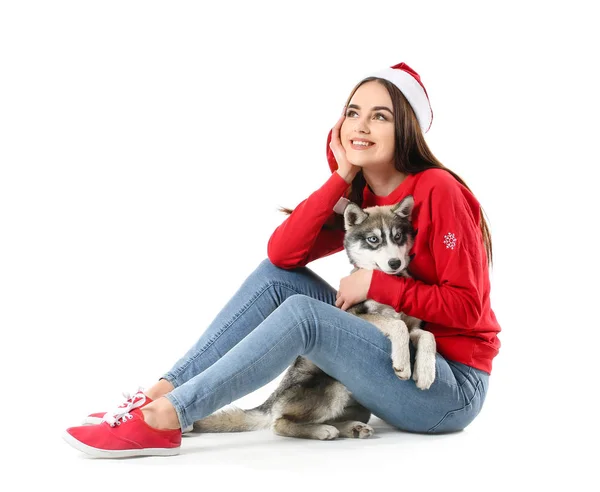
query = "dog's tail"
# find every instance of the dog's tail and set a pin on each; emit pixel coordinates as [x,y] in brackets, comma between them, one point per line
[234,419]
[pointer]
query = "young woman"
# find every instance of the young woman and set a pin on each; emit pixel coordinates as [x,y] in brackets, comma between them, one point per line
[377,155]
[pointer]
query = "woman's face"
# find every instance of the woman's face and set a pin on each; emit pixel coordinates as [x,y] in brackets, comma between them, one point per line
[369,117]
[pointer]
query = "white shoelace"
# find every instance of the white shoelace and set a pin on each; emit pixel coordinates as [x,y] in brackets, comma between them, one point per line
[121,413]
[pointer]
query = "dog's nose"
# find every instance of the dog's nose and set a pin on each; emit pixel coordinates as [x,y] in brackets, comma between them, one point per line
[394,263]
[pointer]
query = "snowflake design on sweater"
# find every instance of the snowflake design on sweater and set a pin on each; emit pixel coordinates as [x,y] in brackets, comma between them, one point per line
[450,240]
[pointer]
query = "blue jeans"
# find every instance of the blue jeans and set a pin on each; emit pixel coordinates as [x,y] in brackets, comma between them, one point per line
[278,314]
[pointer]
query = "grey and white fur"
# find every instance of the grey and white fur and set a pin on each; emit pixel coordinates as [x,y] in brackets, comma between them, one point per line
[308,403]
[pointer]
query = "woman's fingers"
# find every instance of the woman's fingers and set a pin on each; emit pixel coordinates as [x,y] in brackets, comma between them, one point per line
[338,125]
[341,303]
[338,149]
[336,143]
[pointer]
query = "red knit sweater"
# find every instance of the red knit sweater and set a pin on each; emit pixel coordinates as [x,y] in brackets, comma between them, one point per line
[450,290]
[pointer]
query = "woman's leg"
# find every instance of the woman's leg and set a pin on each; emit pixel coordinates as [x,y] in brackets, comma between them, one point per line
[259,295]
[346,347]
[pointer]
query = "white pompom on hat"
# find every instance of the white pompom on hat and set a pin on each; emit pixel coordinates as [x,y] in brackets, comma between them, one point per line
[409,83]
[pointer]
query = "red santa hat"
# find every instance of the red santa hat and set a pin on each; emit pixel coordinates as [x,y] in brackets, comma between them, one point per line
[409,83]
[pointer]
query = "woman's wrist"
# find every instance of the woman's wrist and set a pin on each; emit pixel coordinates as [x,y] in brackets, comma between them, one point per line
[347,175]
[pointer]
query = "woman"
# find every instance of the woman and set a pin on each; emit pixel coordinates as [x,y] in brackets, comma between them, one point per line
[377,155]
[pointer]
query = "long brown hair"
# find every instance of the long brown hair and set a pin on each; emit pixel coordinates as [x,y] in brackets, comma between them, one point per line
[412,155]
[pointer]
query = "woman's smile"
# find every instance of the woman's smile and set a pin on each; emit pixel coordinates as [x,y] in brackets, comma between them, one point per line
[361,144]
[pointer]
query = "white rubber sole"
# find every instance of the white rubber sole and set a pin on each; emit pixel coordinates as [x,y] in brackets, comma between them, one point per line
[97,420]
[126,453]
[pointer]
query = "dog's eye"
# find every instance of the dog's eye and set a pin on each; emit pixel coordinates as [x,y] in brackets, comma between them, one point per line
[372,239]
[398,236]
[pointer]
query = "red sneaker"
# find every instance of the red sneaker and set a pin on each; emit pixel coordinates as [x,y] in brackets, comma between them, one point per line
[138,400]
[130,435]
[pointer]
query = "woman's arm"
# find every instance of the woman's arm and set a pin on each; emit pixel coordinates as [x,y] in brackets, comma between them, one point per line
[299,239]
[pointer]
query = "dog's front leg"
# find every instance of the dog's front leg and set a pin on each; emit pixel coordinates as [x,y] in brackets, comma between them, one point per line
[396,330]
[424,370]
[399,337]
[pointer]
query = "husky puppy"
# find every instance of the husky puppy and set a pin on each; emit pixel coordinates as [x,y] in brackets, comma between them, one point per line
[308,403]
[379,238]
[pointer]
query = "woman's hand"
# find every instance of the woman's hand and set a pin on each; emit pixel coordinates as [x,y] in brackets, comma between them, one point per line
[353,288]
[346,169]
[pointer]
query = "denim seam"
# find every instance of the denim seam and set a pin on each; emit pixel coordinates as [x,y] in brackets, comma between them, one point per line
[470,402]
[465,377]
[356,336]
[256,361]
[236,316]
[184,409]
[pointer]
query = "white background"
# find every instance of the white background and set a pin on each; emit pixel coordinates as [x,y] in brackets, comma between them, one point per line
[144,149]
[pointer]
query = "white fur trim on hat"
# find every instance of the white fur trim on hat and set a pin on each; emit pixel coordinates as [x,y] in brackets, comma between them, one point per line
[412,90]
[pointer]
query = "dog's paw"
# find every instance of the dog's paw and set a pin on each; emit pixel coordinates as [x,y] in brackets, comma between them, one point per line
[362,431]
[403,372]
[424,374]
[327,432]
[401,362]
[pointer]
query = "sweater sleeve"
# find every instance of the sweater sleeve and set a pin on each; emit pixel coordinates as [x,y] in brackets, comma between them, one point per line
[299,239]
[458,252]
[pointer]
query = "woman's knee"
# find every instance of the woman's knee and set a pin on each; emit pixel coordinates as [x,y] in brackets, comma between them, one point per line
[268,265]
[267,273]
[301,305]
[283,283]
[291,278]
[268,269]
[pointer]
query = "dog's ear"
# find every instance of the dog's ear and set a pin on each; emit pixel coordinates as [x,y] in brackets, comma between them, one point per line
[404,208]
[353,215]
